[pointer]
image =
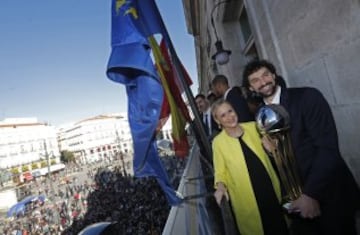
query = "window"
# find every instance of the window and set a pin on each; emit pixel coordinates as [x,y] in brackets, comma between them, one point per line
[252,52]
[22,148]
[249,48]
[245,26]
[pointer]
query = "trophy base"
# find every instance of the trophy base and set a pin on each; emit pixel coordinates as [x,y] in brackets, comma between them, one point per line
[286,207]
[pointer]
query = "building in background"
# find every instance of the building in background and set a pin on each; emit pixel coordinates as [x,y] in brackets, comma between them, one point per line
[100,138]
[166,131]
[25,145]
[312,43]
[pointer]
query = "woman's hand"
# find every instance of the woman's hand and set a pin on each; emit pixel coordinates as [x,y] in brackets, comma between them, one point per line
[220,192]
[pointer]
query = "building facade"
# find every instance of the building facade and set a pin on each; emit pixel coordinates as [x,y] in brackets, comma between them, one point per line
[25,145]
[97,138]
[312,43]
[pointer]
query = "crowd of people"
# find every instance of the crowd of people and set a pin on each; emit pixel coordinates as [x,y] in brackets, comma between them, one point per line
[133,205]
[137,205]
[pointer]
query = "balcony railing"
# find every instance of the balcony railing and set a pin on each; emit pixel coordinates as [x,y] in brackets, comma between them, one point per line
[199,214]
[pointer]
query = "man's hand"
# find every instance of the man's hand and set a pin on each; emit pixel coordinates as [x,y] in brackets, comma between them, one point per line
[307,207]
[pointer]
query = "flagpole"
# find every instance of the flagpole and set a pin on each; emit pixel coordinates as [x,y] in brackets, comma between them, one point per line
[189,95]
[197,118]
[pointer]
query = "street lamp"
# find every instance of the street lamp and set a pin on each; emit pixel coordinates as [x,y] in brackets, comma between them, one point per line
[47,157]
[48,166]
[120,154]
[221,55]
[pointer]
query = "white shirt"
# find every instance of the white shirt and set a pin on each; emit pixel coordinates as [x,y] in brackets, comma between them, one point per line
[226,93]
[276,98]
[207,115]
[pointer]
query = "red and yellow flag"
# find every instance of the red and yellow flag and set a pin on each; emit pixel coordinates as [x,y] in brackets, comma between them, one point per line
[173,103]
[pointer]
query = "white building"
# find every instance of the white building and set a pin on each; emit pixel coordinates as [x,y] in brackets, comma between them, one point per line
[96,138]
[26,140]
[167,130]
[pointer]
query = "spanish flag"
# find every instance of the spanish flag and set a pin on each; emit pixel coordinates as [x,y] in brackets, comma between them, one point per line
[173,103]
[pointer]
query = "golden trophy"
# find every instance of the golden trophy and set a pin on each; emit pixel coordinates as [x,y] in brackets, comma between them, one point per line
[274,121]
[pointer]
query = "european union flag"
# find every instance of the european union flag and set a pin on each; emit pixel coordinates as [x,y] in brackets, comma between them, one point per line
[130,64]
[130,54]
[152,23]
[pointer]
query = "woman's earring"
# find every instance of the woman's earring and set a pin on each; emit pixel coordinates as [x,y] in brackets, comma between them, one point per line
[219,125]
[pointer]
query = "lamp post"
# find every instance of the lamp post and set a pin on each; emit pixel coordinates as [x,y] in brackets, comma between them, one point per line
[120,154]
[221,55]
[47,158]
[48,166]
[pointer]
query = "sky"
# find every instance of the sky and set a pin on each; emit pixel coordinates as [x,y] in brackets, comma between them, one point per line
[53,58]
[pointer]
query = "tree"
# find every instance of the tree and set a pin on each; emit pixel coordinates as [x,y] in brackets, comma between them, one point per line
[43,164]
[25,168]
[67,156]
[34,166]
[15,171]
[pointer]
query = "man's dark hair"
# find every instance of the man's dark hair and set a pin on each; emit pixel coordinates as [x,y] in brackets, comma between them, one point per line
[222,79]
[254,66]
[210,95]
[200,96]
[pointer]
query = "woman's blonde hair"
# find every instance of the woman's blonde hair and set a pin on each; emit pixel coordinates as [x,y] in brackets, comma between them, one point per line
[216,104]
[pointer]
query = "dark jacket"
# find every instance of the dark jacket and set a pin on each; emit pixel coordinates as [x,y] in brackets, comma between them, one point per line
[324,174]
[214,126]
[240,105]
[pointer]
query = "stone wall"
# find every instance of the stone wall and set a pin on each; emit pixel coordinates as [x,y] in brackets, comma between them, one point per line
[312,43]
[317,43]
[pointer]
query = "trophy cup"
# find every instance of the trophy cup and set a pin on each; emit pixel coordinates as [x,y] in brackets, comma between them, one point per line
[274,121]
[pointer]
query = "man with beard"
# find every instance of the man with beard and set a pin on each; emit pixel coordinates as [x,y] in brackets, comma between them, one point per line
[330,195]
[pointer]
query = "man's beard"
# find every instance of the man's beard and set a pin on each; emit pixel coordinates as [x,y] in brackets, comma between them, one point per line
[267,94]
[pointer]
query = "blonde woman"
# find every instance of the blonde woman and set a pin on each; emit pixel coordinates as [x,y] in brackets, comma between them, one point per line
[245,176]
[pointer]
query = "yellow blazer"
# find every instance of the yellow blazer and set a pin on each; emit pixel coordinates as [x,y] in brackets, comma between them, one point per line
[230,168]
